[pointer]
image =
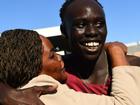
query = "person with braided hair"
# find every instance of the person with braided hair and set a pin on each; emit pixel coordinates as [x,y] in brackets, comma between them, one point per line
[25,69]
[17,54]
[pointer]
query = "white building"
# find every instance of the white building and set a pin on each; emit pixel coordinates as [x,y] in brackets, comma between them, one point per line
[49,32]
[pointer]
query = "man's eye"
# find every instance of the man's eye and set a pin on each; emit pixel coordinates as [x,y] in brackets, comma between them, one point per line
[99,24]
[80,25]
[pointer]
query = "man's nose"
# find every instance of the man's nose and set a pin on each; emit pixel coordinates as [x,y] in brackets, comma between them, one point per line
[91,31]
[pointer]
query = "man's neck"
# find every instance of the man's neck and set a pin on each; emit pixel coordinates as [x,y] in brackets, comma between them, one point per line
[100,72]
[90,72]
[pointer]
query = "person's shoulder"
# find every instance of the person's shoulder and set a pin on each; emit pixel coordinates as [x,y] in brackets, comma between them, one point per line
[133,60]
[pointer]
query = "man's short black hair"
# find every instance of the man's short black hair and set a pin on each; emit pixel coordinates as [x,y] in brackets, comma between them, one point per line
[66,4]
[20,56]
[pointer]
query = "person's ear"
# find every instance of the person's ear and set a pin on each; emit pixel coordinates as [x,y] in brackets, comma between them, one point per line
[63,30]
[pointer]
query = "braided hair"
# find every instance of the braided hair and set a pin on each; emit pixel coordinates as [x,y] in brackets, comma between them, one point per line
[20,56]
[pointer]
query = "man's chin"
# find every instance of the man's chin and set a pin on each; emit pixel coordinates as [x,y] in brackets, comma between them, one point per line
[92,53]
[91,57]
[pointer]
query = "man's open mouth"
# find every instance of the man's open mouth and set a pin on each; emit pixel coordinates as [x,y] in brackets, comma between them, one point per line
[91,46]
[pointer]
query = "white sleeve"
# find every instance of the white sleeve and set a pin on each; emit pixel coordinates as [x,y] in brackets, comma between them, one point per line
[126,85]
[125,89]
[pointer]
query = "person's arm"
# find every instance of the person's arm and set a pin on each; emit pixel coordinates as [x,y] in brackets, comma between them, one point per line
[30,96]
[127,90]
[133,60]
[125,80]
[116,52]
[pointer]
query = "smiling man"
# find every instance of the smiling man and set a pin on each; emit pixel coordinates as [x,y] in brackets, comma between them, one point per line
[84,25]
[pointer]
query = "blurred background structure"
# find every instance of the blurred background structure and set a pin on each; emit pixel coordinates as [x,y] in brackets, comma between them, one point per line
[60,43]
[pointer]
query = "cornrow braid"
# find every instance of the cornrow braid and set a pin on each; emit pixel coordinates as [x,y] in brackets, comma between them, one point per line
[20,56]
[66,4]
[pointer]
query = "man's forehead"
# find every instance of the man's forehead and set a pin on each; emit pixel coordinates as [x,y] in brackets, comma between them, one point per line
[78,5]
[83,2]
[84,8]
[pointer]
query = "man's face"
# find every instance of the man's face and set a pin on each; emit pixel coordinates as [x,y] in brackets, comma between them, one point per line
[52,63]
[85,26]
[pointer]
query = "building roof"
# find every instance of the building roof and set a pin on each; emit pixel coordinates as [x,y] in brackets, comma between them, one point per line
[49,32]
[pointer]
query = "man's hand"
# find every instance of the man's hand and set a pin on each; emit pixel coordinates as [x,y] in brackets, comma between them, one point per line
[30,96]
[116,52]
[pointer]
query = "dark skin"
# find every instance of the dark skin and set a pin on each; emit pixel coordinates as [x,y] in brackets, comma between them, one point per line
[117,54]
[86,32]
[24,97]
[52,63]
[85,28]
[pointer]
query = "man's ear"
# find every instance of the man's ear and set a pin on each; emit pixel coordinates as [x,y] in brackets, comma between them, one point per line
[63,30]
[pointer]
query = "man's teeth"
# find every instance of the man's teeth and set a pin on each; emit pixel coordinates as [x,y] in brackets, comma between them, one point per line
[92,44]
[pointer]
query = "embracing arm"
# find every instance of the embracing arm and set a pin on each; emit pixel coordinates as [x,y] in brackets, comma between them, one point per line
[125,78]
[30,96]
[126,85]
[133,60]
[125,89]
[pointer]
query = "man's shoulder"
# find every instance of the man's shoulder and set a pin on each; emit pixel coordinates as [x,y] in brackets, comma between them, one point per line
[133,60]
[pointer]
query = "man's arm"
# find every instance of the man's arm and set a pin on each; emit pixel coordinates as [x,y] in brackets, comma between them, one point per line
[30,96]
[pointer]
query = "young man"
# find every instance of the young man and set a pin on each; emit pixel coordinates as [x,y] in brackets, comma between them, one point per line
[38,68]
[84,25]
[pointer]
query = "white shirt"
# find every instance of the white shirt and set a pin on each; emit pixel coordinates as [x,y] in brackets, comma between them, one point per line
[125,90]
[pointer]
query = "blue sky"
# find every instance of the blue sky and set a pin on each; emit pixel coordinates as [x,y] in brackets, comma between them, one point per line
[123,16]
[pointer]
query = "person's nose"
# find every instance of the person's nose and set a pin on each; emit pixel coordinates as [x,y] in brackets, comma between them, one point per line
[60,59]
[91,31]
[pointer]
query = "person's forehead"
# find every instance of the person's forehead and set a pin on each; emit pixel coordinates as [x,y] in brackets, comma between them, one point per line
[84,3]
[84,6]
[46,42]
